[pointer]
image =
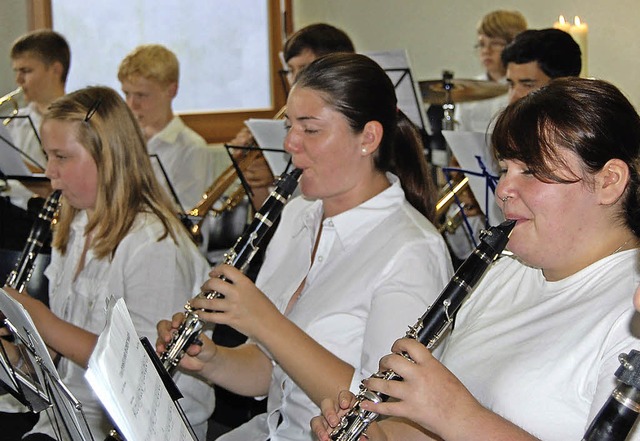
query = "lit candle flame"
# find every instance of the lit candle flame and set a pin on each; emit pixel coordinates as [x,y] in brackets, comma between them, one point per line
[576,20]
[561,19]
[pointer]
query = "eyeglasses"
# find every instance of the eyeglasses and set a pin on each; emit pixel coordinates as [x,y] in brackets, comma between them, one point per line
[93,109]
[493,45]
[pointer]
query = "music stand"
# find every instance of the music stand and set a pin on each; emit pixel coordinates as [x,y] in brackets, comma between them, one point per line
[477,163]
[163,179]
[7,145]
[396,65]
[39,386]
[277,159]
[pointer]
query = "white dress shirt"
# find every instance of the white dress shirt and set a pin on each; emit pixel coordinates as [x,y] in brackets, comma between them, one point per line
[377,268]
[187,160]
[155,278]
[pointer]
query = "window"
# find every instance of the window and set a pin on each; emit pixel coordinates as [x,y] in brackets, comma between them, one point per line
[228,52]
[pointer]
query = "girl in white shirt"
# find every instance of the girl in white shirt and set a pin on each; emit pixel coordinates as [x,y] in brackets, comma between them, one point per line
[535,348]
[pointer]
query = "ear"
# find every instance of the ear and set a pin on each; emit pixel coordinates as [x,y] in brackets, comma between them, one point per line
[611,181]
[172,90]
[371,137]
[57,68]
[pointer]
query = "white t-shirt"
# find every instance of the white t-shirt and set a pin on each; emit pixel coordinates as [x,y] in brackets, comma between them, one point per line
[377,267]
[543,354]
[155,278]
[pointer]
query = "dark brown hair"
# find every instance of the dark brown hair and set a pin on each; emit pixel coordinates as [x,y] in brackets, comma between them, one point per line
[358,88]
[590,118]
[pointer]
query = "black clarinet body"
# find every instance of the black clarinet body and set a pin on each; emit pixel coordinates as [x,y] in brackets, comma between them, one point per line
[239,256]
[617,416]
[38,237]
[432,325]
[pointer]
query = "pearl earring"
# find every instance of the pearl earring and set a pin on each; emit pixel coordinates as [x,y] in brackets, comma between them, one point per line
[364,151]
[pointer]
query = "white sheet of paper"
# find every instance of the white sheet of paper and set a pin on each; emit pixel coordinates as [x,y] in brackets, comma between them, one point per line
[270,134]
[467,147]
[11,162]
[396,64]
[128,385]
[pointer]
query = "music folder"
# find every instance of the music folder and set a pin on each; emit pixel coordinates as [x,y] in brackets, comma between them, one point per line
[131,387]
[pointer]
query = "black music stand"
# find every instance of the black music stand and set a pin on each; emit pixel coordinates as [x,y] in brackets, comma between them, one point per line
[396,64]
[36,383]
[278,166]
[163,179]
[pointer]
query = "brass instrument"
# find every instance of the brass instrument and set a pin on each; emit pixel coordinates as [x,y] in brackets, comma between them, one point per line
[451,223]
[197,214]
[11,98]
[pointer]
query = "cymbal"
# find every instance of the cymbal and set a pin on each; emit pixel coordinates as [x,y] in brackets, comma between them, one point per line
[463,90]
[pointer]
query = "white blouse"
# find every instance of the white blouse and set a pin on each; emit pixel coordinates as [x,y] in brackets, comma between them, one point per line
[377,268]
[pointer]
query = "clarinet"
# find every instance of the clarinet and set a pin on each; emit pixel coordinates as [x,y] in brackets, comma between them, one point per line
[38,236]
[239,256]
[619,413]
[432,325]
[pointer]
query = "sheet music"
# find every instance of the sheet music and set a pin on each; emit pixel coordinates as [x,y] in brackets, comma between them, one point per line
[11,163]
[126,382]
[396,64]
[467,147]
[270,134]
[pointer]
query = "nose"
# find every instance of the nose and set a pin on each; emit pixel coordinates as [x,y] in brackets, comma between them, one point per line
[50,170]
[515,94]
[291,142]
[504,190]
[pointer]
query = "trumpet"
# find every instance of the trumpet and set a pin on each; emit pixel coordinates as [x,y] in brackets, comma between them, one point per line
[195,217]
[197,214]
[450,223]
[11,98]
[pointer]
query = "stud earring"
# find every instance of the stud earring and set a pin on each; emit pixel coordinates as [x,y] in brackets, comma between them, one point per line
[364,151]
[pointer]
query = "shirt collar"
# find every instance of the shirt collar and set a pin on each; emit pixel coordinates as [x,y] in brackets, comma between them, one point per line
[353,224]
[170,132]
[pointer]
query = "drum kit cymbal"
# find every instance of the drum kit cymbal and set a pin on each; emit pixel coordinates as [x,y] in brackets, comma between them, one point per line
[460,90]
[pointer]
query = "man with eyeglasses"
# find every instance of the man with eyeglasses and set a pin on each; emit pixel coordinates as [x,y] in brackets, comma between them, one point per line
[495,31]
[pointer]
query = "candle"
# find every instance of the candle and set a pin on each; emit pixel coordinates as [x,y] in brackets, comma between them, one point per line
[562,24]
[579,32]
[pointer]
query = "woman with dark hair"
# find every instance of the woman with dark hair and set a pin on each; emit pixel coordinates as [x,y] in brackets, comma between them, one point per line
[535,348]
[349,265]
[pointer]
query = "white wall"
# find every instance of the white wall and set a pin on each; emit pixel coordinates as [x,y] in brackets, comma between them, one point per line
[440,34]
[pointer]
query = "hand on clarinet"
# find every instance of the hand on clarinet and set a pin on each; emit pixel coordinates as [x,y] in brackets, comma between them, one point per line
[244,307]
[332,411]
[197,355]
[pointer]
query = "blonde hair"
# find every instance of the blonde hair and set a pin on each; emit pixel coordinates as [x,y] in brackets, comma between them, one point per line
[127,185]
[502,24]
[150,61]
